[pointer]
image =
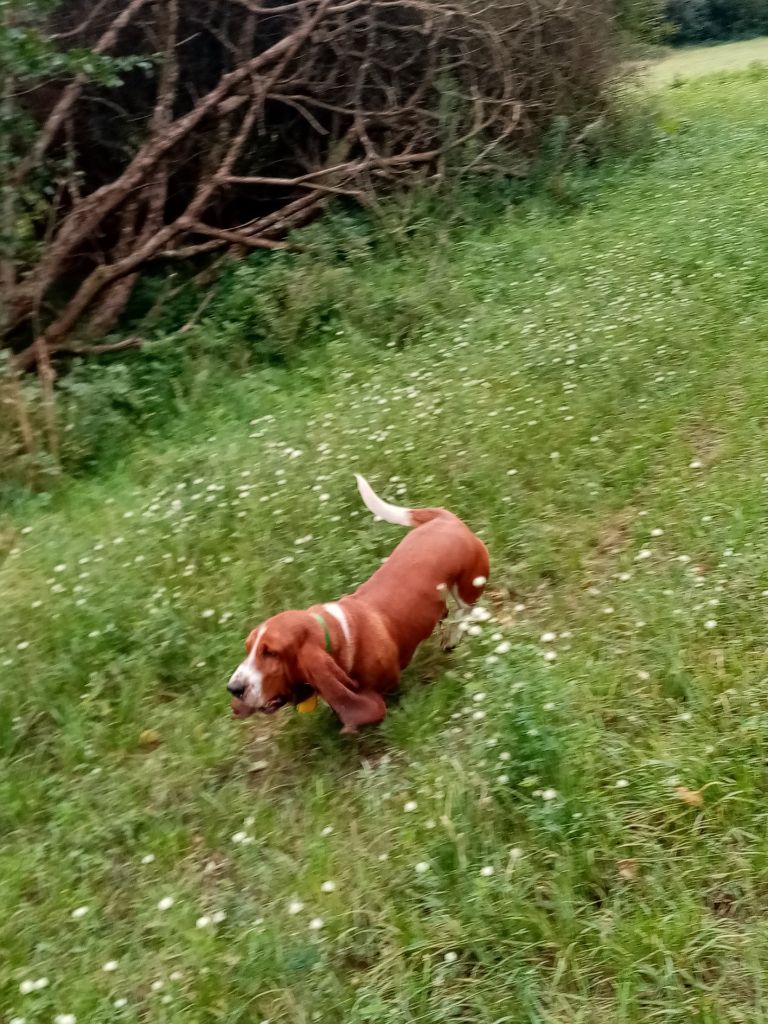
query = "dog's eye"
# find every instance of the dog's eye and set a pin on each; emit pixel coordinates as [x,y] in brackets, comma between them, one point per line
[267,652]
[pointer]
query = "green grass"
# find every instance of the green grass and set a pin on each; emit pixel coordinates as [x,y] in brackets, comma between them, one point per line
[697,61]
[589,392]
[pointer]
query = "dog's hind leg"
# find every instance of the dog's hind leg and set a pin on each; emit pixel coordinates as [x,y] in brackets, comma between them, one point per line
[455,620]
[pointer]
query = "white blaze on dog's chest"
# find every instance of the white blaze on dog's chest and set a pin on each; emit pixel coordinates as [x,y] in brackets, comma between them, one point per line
[341,617]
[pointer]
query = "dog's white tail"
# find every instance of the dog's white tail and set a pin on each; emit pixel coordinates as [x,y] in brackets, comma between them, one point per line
[395,514]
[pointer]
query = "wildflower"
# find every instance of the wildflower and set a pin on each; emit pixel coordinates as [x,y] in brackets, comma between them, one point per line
[643,554]
[422,867]
[156,986]
[295,907]
[621,783]
[78,913]
[478,697]
[316,924]
[504,755]
[550,655]
[487,871]
[548,638]
[239,837]
[23,645]
[147,858]
[218,916]
[165,903]
[328,886]
[548,794]
[451,957]
[504,648]
[109,966]
[410,805]
[203,922]
[120,1003]
[65,1018]
[478,715]
[710,624]
[327,830]
[208,613]
[515,853]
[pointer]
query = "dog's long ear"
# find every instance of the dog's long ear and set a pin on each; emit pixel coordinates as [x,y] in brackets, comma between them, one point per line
[354,706]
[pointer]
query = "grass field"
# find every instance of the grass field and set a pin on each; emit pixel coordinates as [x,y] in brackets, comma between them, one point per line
[697,61]
[566,820]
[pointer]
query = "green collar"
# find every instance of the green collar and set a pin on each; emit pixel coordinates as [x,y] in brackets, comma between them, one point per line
[324,624]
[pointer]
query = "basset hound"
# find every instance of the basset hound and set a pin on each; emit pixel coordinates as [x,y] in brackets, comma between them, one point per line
[350,652]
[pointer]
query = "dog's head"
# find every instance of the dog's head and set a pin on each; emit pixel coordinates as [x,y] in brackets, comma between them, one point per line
[286,662]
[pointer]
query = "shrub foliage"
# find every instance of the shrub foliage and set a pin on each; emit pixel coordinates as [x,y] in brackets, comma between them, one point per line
[196,126]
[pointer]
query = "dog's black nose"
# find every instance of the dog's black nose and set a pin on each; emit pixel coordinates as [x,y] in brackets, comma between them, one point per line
[235,688]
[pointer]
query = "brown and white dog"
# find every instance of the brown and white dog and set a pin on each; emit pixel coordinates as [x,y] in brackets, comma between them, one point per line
[352,651]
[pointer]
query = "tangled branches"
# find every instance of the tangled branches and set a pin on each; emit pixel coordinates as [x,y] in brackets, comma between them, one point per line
[249,117]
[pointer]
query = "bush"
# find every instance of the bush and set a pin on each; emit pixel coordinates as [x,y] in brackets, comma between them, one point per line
[697,21]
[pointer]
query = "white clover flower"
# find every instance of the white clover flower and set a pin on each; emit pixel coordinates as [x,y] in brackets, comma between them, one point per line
[165,903]
[328,886]
[549,794]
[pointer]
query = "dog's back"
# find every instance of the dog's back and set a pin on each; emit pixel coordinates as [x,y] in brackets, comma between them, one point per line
[440,558]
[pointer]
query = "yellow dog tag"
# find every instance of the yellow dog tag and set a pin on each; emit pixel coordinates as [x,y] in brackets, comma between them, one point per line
[307,705]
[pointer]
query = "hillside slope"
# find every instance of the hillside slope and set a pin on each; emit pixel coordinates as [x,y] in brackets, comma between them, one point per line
[565,820]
